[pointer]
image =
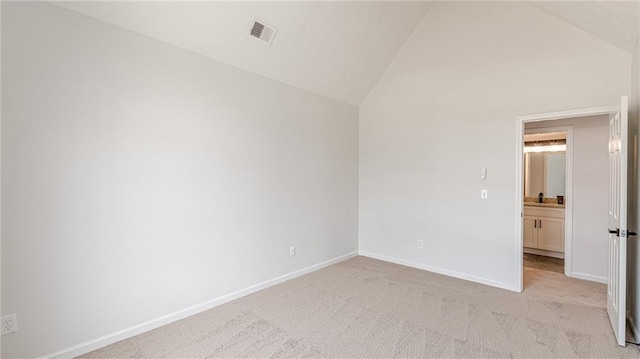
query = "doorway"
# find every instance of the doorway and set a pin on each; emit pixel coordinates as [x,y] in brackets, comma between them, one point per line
[553,122]
[548,162]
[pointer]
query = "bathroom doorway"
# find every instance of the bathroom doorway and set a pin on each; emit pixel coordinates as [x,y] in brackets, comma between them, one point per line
[566,237]
[547,164]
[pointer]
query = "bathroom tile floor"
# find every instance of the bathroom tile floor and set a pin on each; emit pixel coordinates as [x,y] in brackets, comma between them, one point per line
[544,263]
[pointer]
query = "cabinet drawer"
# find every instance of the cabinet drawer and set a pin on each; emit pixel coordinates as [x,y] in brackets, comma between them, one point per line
[544,212]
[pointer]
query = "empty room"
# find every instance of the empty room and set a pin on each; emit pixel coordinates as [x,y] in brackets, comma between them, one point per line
[320,179]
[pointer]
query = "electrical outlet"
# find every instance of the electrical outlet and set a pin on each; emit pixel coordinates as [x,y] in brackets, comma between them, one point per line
[9,324]
[292,251]
[420,243]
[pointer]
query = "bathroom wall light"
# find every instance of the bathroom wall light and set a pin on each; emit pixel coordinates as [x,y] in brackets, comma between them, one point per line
[547,148]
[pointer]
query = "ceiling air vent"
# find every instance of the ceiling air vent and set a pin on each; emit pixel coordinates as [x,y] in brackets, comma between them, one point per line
[262,31]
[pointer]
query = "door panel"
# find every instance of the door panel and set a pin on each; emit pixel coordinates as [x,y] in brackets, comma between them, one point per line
[617,267]
[529,232]
[551,234]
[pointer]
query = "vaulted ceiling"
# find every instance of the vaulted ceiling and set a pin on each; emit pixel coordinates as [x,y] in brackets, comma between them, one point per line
[617,22]
[335,49]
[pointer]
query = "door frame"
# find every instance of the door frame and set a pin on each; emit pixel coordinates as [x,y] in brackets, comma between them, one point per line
[519,209]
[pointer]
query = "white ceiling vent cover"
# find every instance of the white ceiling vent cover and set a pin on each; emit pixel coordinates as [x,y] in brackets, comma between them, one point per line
[262,31]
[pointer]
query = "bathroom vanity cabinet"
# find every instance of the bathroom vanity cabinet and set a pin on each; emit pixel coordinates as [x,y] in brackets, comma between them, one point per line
[544,228]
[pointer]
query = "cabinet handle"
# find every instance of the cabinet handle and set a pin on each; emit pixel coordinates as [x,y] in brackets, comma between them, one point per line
[540,223]
[535,223]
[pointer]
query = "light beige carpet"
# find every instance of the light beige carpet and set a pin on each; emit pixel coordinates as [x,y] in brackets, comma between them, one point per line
[365,308]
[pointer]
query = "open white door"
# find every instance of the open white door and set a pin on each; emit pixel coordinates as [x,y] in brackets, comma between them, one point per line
[617,274]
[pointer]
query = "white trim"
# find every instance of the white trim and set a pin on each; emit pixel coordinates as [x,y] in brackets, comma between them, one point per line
[568,209]
[442,271]
[103,341]
[519,210]
[634,328]
[589,277]
[542,252]
[520,122]
[559,115]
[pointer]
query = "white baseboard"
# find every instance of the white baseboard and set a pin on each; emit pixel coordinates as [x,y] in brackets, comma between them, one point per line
[442,271]
[634,328]
[103,341]
[589,277]
[543,252]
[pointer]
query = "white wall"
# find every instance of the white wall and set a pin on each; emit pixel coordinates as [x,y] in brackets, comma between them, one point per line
[0,168]
[590,193]
[139,179]
[446,107]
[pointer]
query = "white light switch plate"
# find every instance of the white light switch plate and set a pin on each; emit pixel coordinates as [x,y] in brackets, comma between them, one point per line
[484,194]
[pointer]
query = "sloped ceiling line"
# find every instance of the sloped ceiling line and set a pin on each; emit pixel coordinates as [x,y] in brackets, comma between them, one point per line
[319,46]
[616,22]
[335,49]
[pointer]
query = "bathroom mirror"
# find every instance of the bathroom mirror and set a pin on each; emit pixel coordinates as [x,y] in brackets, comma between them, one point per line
[545,172]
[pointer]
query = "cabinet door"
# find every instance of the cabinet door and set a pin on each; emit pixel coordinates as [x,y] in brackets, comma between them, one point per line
[551,234]
[529,232]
